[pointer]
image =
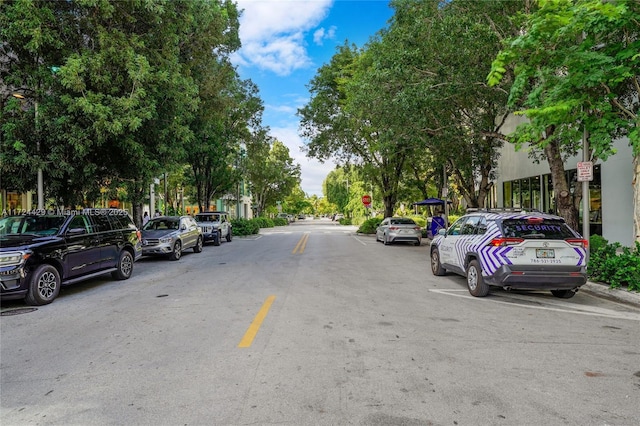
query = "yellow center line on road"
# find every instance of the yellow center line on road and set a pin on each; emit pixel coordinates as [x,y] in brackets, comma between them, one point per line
[299,249]
[247,340]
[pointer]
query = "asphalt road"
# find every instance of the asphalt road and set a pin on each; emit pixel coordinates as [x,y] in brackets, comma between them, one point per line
[311,324]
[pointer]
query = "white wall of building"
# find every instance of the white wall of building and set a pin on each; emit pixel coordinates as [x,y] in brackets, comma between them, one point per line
[616,176]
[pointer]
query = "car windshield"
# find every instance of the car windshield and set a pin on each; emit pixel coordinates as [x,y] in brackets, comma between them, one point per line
[551,229]
[207,218]
[160,224]
[35,225]
[402,221]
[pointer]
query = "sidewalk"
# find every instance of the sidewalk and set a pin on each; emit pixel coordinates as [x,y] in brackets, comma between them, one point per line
[620,295]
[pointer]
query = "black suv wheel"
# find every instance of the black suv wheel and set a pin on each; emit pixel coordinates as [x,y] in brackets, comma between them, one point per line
[44,285]
[125,266]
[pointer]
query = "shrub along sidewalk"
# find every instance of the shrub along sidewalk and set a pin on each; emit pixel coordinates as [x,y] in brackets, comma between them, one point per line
[613,264]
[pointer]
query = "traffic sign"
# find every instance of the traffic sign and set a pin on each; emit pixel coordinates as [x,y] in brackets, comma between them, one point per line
[366,199]
[585,171]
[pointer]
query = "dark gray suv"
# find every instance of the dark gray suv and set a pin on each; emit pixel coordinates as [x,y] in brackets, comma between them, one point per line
[43,250]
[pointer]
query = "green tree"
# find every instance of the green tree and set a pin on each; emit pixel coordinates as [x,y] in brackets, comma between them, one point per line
[447,107]
[117,107]
[270,170]
[417,89]
[297,202]
[575,69]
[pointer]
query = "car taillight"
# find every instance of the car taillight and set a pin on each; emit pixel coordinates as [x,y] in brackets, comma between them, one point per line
[417,228]
[579,242]
[499,242]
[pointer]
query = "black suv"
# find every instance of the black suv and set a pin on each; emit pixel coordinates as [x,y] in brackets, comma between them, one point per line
[42,251]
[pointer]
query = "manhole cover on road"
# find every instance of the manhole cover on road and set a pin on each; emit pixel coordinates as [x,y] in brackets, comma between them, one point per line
[17,311]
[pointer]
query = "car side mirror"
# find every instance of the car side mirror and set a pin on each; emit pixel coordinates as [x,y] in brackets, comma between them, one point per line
[76,231]
[442,231]
[183,227]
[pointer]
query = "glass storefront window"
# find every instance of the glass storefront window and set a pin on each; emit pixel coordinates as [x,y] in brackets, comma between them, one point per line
[515,200]
[507,194]
[537,192]
[525,189]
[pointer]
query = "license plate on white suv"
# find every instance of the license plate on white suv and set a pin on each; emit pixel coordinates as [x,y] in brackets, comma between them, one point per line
[545,253]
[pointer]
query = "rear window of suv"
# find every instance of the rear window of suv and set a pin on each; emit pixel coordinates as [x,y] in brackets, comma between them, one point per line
[536,228]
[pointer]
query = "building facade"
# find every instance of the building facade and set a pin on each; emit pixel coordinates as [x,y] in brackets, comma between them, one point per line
[521,183]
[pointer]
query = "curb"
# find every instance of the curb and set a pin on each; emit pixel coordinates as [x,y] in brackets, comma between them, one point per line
[619,295]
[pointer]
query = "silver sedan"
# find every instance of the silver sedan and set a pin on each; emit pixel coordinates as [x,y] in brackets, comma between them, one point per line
[395,229]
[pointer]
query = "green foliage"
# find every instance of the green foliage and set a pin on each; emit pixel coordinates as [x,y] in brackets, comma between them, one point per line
[242,226]
[345,221]
[271,171]
[280,221]
[608,265]
[264,222]
[596,242]
[453,218]
[111,91]
[369,226]
[419,220]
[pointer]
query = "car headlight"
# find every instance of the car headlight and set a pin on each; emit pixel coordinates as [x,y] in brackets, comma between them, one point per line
[166,239]
[13,258]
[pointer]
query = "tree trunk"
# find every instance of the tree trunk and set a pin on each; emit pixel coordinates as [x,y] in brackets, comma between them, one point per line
[564,202]
[389,205]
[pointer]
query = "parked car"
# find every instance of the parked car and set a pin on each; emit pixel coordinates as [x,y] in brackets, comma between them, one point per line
[396,229]
[170,236]
[41,252]
[338,216]
[215,226]
[513,250]
[287,216]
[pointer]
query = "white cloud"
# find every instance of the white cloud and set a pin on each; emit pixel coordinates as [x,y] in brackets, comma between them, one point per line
[313,172]
[318,36]
[321,34]
[272,33]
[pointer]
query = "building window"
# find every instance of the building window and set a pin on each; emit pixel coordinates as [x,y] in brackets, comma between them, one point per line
[516,200]
[537,193]
[507,195]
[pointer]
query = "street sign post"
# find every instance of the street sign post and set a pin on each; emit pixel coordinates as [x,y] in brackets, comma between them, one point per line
[585,171]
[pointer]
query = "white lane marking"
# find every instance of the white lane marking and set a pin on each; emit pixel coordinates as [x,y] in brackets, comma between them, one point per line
[360,241]
[571,309]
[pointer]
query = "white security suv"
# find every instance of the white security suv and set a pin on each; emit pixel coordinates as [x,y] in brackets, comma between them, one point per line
[513,250]
[215,226]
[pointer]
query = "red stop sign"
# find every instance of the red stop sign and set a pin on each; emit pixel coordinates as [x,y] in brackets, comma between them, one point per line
[366,199]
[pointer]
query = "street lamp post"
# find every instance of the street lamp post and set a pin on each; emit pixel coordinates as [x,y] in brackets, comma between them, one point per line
[40,187]
[40,176]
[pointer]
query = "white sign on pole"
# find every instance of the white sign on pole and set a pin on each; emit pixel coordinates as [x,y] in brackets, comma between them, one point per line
[585,171]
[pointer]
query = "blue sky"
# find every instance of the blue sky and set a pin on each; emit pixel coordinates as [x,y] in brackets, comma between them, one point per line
[284,42]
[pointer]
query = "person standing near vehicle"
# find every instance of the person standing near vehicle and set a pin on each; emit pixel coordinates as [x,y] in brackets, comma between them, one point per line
[437,223]
[145,218]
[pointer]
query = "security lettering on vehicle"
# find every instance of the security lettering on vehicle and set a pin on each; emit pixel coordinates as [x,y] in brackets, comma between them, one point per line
[542,228]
